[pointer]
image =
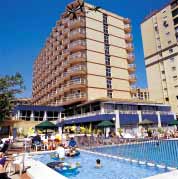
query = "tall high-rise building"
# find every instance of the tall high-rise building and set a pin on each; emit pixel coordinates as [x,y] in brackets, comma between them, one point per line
[88,56]
[160,35]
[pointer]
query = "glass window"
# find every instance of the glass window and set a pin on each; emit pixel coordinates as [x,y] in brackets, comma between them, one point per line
[108,71]
[109,83]
[106,49]
[170,50]
[107,60]
[105,27]
[109,93]
[105,18]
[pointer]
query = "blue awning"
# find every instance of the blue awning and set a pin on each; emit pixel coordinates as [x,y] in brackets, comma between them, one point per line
[100,117]
[151,117]
[166,119]
[128,119]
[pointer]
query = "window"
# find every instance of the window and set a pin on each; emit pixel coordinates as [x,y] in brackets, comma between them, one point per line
[163,72]
[105,27]
[159,46]
[108,71]
[106,39]
[176,86]
[109,93]
[109,83]
[165,24]
[106,48]
[170,50]
[169,42]
[164,79]
[166,99]
[175,77]
[105,18]
[173,68]
[175,12]
[176,21]
[158,38]
[107,60]
[156,27]
[176,97]
[165,89]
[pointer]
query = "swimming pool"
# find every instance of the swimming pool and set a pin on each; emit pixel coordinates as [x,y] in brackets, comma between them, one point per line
[112,168]
[162,152]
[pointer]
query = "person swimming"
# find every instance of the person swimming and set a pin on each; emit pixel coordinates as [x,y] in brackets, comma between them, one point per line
[98,163]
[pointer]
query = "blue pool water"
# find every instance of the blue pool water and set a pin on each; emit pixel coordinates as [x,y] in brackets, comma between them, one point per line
[163,152]
[111,168]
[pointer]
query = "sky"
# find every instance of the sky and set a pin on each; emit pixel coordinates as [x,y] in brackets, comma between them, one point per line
[25,26]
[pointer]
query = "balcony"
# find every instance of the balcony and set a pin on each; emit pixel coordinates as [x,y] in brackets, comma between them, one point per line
[127,28]
[132,79]
[73,24]
[77,46]
[129,47]
[78,84]
[73,98]
[80,70]
[133,90]
[77,34]
[130,58]
[128,38]
[126,21]
[131,68]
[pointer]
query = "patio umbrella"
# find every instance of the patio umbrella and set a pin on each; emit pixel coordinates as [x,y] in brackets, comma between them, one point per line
[173,123]
[105,124]
[45,125]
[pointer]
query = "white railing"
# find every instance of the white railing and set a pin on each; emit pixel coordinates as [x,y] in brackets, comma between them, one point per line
[132,66]
[80,30]
[77,68]
[78,42]
[83,115]
[78,55]
[78,81]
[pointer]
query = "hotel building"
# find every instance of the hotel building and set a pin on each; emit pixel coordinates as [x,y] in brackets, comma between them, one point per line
[88,56]
[85,72]
[160,35]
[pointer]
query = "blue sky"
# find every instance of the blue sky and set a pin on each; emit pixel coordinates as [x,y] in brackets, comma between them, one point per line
[25,25]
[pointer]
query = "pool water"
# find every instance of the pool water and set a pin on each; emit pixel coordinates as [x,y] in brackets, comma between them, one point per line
[111,168]
[163,152]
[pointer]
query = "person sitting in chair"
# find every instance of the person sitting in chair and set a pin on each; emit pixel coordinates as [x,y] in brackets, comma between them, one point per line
[3,174]
[5,147]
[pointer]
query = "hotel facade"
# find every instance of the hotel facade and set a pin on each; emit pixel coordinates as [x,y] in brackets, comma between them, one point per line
[85,73]
[160,35]
[85,58]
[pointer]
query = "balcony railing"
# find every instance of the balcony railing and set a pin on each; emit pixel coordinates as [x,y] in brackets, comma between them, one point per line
[126,21]
[80,22]
[74,96]
[130,58]
[77,43]
[128,38]
[129,47]
[132,79]
[131,68]
[127,28]
[78,55]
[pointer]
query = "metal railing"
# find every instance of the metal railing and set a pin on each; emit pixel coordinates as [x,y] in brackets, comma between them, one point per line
[156,152]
